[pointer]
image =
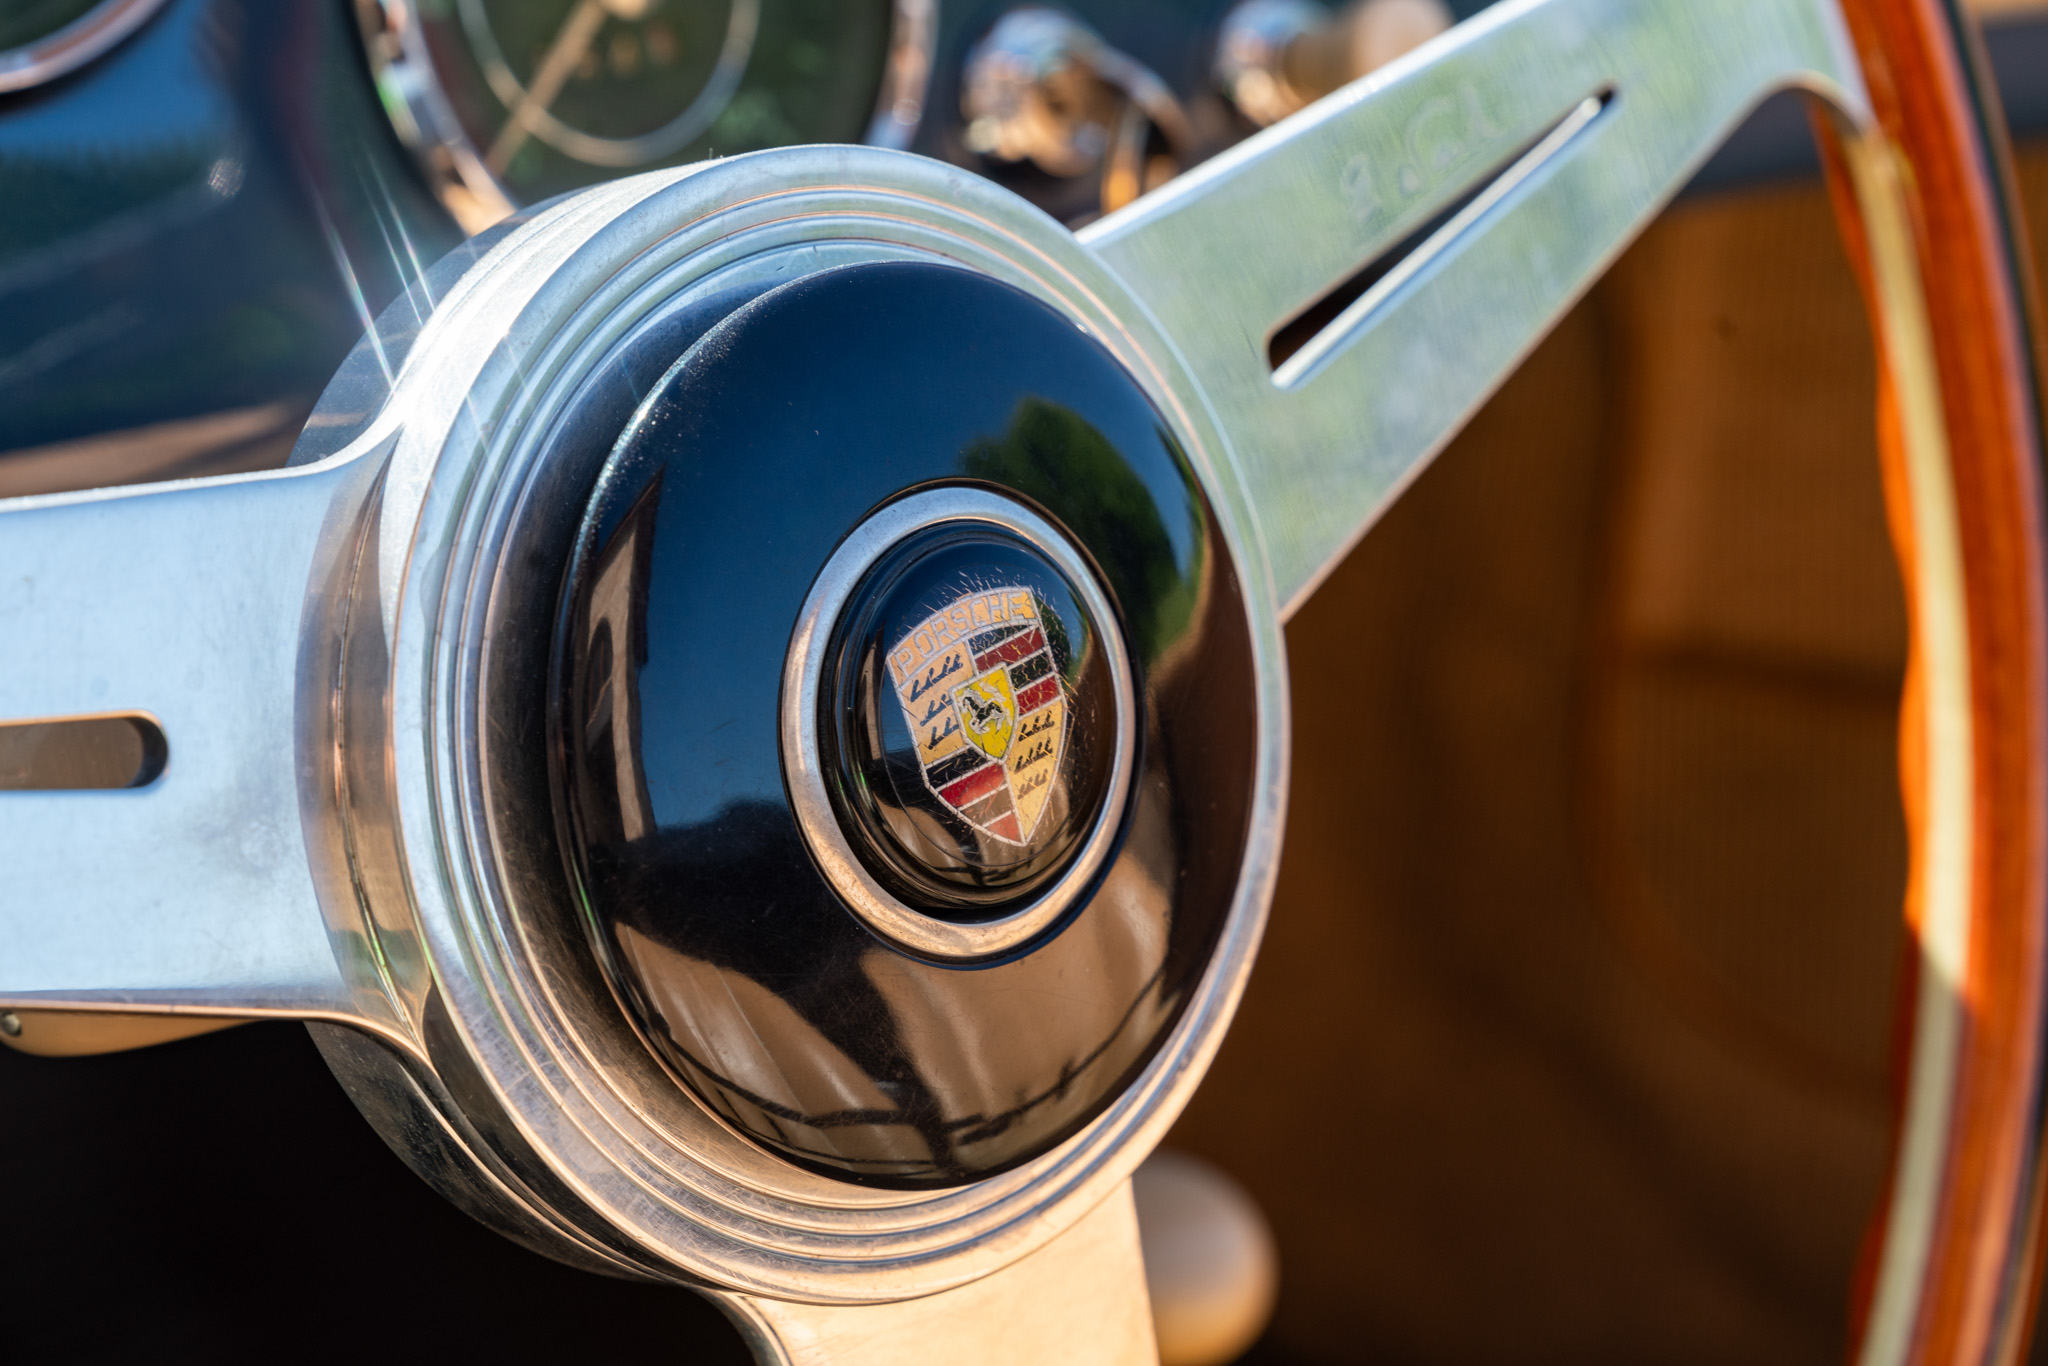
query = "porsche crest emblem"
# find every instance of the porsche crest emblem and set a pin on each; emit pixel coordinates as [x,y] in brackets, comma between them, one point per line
[986,707]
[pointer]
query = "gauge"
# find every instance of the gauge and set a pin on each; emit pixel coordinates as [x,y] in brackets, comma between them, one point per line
[41,40]
[511,101]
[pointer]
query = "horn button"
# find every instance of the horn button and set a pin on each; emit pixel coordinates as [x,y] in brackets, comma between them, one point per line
[967,718]
[968,727]
[902,698]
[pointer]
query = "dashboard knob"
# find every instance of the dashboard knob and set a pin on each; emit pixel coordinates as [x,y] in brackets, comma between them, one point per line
[1042,87]
[1276,56]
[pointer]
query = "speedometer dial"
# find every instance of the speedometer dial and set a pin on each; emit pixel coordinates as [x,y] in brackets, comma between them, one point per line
[511,101]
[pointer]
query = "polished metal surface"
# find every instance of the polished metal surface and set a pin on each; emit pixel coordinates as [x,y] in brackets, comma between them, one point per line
[186,602]
[424,119]
[1272,226]
[650,1166]
[91,35]
[1251,55]
[1042,87]
[1275,57]
[331,838]
[1079,1301]
[804,767]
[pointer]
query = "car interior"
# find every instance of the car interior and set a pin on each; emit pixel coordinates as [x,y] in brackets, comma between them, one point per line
[1573,1034]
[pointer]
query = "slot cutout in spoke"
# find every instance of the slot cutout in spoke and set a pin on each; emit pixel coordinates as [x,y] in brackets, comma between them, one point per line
[81,753]
[1300,344]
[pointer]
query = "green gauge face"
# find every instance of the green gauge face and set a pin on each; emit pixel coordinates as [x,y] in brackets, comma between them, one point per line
[31,21]
[552,95]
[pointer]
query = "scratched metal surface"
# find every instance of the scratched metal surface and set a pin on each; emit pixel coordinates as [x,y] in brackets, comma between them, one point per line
[1226,255]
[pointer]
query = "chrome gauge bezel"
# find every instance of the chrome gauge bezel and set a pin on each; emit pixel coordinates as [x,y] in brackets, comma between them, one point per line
[424,117]
[92,35]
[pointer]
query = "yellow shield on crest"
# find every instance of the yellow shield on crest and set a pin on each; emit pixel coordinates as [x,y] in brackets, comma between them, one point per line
[988,712]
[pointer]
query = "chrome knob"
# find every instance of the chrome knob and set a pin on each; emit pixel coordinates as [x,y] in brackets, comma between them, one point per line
[1044,88]
[1276,56]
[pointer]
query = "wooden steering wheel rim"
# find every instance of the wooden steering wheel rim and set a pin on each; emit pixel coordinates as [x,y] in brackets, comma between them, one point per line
[1949,1273]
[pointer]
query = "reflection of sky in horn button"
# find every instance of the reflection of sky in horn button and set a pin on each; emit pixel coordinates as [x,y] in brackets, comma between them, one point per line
[804,1070]
[1022,1027]
[700,774]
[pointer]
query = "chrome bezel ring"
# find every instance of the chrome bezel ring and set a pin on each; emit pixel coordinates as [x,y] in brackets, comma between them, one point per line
[489,984]
[804,770]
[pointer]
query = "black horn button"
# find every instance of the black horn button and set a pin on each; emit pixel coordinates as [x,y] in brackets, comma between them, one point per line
[902,707]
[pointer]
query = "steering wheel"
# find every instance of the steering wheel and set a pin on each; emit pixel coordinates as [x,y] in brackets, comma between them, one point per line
[755,727]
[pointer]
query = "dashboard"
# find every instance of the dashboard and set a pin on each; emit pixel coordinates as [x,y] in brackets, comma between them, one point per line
[205,211]
[209,200]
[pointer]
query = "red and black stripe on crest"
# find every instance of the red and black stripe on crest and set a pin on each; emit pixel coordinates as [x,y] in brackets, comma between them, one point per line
[970,782]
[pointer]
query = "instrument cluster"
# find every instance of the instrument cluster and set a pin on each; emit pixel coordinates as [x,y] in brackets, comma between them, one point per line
[506,102]
[509,101]
[209,201]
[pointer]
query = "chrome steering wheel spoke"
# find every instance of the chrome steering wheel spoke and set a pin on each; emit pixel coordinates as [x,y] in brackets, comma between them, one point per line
[1468,194]
[183,605]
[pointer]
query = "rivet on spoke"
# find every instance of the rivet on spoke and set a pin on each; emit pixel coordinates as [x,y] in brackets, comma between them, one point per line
[10,1024]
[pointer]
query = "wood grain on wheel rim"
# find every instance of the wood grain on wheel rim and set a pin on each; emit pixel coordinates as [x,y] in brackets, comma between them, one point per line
[1950,1273]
